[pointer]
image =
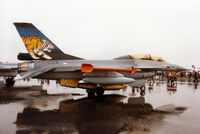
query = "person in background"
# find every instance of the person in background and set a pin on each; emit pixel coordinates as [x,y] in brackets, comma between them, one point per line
[169,78]
[189,74]
[196,77]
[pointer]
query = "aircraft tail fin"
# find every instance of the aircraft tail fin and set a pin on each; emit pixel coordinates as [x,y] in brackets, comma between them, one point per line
[194,68]
[39,47]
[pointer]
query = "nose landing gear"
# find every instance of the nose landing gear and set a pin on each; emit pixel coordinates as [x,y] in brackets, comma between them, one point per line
[142,93]
[142,90]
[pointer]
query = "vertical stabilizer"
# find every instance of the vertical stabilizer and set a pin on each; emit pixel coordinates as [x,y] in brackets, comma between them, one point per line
[38,45]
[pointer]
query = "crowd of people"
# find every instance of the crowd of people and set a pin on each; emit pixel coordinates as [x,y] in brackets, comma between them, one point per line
[173,76]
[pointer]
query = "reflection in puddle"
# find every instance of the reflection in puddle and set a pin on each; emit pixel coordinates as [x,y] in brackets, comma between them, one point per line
[8,114]
[86,116]
[106,115]
[71,113]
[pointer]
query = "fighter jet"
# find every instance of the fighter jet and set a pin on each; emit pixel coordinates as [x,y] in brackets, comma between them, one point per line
[9,70]
[47,61]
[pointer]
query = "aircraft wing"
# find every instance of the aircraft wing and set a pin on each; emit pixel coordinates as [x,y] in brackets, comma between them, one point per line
[33,73]
[8,69]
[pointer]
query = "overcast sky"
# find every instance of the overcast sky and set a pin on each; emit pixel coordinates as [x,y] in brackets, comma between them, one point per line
[105,29]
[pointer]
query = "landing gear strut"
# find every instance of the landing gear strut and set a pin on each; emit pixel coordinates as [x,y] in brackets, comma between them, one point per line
[91,93]
[10,82]
[99,92]
[95,92]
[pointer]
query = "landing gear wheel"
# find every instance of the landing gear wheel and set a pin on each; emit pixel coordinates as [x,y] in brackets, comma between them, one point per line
[142,93]
[100,92]
[10,82]
[174,84]
[91,93]
[142,88]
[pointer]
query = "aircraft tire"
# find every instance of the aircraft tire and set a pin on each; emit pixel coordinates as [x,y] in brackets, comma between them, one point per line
[142,88]
[91,93]
[10,82]
[99,92]
[142,93]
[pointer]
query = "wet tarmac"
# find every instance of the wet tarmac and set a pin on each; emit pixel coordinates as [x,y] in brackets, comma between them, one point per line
[28,108]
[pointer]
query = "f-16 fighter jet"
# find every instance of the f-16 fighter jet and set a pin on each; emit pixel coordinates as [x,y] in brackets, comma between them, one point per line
[47,61]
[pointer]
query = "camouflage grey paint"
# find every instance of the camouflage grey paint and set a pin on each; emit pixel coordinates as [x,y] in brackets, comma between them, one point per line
[71,68]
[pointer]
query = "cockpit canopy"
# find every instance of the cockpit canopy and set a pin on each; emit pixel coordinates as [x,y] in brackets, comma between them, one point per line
[142,57]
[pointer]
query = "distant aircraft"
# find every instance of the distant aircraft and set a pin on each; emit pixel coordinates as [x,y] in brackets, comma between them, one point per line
[9,70]
[47,61]
[195,69]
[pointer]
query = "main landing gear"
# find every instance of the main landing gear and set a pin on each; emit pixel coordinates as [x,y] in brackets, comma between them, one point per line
[95,92]
[10,82]
[142,90]
[91,93]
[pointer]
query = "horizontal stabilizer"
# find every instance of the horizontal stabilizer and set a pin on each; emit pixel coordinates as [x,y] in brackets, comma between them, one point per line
[32,73]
